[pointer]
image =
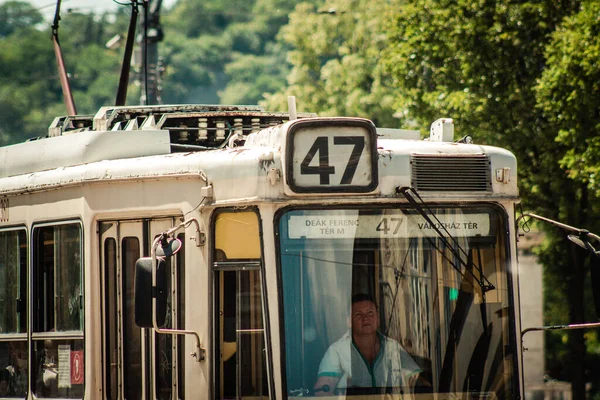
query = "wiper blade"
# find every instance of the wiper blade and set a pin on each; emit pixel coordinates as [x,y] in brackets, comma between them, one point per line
[448,241]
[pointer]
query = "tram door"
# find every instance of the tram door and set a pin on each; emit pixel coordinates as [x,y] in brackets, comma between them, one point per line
[138,363]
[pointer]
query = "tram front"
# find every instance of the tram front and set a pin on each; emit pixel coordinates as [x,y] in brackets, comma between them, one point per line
[405,286]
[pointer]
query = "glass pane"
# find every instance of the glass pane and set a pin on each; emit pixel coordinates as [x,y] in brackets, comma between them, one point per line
[111,314]
[241,365]
[403,297]
[58,369]
[13,281]
[57,278]
[237,236]
[132,334]
[67,258]
[250,336]
[13,375]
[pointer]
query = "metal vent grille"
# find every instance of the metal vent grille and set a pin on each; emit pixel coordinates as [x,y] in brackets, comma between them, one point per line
[470,173]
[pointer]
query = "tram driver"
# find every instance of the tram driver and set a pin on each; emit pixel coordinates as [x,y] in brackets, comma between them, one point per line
[363,357]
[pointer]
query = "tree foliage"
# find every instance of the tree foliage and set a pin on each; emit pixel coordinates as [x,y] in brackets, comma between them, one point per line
[216,51]
[17,15]
[30,91]
[212,51]
[496,67]
[568,92]
[336,54]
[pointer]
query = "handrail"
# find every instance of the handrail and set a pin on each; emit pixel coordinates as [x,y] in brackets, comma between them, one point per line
[200,353]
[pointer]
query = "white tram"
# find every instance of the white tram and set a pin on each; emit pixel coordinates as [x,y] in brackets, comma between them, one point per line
[281,222]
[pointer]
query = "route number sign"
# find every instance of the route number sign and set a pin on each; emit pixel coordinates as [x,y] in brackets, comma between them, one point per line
[339,156]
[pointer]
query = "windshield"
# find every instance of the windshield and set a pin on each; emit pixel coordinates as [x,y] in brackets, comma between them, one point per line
[376,302]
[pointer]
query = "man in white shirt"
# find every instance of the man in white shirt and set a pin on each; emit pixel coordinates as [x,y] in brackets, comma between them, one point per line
[363,357]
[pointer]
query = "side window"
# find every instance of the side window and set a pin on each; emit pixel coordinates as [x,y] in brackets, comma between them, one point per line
[240,365]
[57,337]
[13,317]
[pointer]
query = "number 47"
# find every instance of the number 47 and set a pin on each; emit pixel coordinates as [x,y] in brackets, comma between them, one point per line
[321,145]
[386,225]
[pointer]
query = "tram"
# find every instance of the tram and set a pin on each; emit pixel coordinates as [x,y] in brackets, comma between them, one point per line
[214,252]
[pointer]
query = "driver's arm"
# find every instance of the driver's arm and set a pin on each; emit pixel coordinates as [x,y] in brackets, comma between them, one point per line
[325,385]
[330,373]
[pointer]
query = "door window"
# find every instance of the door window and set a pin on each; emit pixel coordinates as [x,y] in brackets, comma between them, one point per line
[132,334]
[241,357]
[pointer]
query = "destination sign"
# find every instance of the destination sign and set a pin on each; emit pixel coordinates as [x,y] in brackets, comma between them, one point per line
[348,226]
[332,156]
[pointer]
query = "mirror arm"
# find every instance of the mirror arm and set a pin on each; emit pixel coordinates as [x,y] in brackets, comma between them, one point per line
[587,325]
[555,223]
[199,238]
[581,237]
[200,353]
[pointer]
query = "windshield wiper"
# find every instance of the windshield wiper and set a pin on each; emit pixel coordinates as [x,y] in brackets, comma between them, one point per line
[461,311]
[448,241]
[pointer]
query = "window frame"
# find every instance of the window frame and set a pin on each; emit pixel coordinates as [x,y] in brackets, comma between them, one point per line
[21,278]
[510,267]
[24,294]
[215,268]
[71,334]
[61,337]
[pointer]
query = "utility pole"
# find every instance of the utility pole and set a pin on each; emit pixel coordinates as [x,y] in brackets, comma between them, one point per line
[62,70]
[126,66]
[151,65]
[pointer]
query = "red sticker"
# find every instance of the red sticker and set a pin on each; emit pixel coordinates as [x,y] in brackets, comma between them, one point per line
[77,367]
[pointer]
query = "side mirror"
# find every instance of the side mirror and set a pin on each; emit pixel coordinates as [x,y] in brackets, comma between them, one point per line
[144,292]
[167,248]
[595,270]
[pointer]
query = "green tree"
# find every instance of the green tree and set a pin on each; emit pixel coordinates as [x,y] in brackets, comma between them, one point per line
[17,15]
[12,111]
[223,52]
[336,61]
[30,91]
[569,92]
[568,95]
[195,68]
[258,65]
[28,81]
[249,79]
[193,18]
[480,63]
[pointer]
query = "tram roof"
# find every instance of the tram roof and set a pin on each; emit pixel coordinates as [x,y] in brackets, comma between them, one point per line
[138,138]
